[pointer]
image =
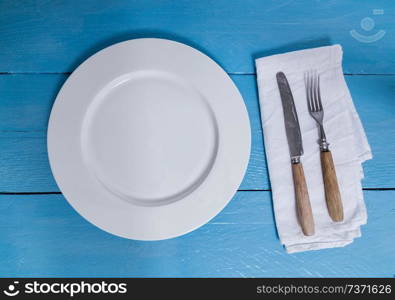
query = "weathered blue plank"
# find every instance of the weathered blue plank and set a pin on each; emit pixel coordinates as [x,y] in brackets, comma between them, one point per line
[24,112]
[24,166]
[44,236]
[374,98]
[41,235]
[55,36]
[26,100]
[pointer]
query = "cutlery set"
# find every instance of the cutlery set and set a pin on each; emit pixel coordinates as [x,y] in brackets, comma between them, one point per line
[294,138]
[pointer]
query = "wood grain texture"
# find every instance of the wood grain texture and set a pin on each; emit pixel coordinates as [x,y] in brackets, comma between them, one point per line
[374,100]
[332,192]
[55,36]
[43,236]
[303,206]
[26,101]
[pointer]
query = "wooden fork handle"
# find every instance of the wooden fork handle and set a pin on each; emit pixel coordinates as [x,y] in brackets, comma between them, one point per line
[332,193]
[303,206]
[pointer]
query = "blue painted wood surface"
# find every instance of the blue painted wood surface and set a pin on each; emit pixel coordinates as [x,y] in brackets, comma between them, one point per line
[27,99]
[55,36]
[41,235]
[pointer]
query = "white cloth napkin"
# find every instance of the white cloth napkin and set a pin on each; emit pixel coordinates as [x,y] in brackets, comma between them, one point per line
[344,132]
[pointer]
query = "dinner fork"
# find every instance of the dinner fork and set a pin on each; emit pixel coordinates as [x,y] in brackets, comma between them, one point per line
[314,103]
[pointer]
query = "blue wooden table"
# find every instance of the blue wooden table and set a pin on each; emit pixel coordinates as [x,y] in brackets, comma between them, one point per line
[41,42]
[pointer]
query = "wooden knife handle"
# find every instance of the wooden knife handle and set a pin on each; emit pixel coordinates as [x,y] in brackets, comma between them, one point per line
[332,193]
[303,206]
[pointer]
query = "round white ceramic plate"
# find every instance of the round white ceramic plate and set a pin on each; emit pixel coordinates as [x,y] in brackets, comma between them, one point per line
[149,139]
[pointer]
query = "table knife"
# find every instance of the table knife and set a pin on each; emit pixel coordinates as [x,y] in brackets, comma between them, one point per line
[294,137]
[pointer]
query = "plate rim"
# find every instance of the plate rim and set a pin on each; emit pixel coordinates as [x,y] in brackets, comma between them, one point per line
[52,137]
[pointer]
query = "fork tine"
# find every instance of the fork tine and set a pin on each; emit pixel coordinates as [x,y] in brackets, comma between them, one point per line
[308,90]
[319,93]
[312,92]
[307,74]
[316,92]
[313,89]
[306,84]
[313,98]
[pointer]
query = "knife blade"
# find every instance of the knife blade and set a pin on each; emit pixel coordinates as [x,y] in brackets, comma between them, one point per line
[291,121]
[295,144]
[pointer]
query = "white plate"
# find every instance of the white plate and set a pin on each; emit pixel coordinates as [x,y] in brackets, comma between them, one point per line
[149,139]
